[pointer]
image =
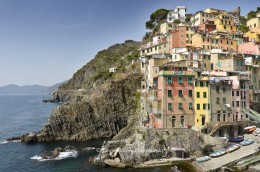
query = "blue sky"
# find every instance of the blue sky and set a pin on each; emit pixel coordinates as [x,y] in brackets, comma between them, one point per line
[45,41]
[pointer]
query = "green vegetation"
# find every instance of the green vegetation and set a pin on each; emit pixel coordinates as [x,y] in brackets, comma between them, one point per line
[156,18]
[252,14]
[97,70]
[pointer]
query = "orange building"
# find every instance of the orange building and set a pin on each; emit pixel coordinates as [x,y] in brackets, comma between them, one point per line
[208,42]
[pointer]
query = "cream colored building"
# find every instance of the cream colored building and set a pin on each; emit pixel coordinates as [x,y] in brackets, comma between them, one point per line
[166,27]
[201,17]
[254,22]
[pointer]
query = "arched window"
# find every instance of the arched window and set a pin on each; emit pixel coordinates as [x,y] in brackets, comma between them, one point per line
[182,121]
[173,121]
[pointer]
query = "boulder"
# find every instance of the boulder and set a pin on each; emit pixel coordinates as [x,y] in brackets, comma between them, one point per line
[114,163]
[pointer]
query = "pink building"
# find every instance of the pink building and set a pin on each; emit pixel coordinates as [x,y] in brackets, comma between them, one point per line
[173,105]
[249,48]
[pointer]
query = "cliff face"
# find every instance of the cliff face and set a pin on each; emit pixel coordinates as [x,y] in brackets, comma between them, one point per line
[96,103]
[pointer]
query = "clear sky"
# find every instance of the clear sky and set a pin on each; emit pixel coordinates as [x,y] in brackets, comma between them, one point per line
[45,41]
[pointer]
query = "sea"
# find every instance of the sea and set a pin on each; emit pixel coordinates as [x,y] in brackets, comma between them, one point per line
[20,114]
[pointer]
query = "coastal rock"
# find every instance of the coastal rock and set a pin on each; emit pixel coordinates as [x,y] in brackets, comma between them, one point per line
[100,117]
[96,104]
[114,163]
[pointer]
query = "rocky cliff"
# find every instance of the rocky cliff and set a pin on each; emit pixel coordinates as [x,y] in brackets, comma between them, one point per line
[96,103]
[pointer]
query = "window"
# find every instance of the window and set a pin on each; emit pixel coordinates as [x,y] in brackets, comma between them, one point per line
[169,106]
[204,106]
[224,117]
[182,121]
[233,104]
[180,80]
[218,117]
[224,89]
[232,93]
[237,93]
[207,83]
[237,103]
[218,100]
[169,80]
[201,83]
[198,94]
[216,41]
[204,94]
[169,93]
[217,89]
[198,106]
[190,106]
[180,93]
[190,80]
[208,106]
[180,106]
[225,27]
[190,93]
[203,120]
[224,100]
[173,121]
[187,35]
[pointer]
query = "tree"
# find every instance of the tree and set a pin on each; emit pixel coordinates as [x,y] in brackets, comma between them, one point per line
[149,25]
[158,15]
[155,18]
[176,21]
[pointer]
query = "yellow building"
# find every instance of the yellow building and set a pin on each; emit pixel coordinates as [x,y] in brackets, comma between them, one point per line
[212,10]
[202,102]
[253,23]
[253,34]
[224,22]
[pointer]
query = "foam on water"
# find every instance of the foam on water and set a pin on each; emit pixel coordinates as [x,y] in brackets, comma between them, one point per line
[3,142]
[67,154]
[62,155]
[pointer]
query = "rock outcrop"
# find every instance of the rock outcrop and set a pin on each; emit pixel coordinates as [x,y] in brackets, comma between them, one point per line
[96,103]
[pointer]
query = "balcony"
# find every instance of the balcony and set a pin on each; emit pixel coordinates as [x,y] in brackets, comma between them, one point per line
[157,111]
[177,73]
[256,91]
[152,98]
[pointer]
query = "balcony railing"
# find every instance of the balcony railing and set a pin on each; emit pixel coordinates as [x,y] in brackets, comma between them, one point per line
[256,91]
[177,73]
[157,111]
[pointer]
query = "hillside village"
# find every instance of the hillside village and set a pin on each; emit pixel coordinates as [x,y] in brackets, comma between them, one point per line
[202,72]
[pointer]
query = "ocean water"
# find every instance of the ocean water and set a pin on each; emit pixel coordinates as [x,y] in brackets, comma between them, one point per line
[25,114]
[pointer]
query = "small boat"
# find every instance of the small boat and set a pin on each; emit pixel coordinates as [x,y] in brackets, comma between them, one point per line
[203,159]
[257,132]
[250,129]
[217,153]
[232,148]
[246,142]
[236,139]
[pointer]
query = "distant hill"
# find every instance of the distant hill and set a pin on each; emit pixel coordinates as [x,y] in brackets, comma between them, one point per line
[13,89]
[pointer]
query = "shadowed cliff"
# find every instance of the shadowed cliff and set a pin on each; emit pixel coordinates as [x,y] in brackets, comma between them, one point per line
[96,103]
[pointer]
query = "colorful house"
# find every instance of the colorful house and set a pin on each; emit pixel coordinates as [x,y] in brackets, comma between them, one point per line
[224,22]
[202,102]
[253,34]
[173,106]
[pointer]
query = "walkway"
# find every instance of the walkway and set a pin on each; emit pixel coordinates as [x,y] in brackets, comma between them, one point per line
[244,151]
